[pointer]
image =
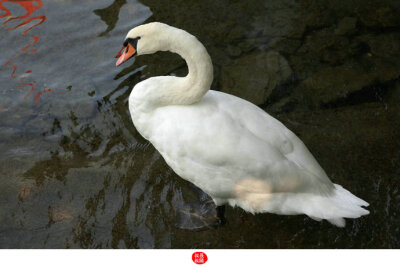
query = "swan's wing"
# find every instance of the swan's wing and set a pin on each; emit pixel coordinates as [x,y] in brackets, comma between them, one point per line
[296,170]
[267,128]
[237,141]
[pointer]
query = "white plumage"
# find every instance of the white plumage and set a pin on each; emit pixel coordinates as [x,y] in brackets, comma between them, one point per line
[228,147]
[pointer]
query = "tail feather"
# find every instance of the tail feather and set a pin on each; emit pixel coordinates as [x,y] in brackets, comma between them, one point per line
[348,205]
[334,208]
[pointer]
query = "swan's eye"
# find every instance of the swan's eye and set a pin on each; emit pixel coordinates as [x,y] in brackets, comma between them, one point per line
[132,41]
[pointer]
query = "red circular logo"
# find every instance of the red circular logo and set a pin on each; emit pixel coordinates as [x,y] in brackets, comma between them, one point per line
[199,257]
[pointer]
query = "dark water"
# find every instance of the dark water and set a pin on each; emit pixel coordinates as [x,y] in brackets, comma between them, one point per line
[74,172]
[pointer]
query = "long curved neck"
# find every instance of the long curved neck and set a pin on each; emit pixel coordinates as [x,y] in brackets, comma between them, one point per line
[169,90]
[200,75]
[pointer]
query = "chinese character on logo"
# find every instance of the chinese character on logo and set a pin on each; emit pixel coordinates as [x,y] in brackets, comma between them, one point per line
[199,257]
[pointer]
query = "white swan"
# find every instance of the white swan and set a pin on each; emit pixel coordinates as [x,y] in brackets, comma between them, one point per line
[228,147]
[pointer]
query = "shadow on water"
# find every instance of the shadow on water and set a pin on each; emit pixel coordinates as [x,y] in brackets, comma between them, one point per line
[75,173]
[110,15]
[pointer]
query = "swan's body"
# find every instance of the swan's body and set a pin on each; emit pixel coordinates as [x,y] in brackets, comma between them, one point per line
[228,147]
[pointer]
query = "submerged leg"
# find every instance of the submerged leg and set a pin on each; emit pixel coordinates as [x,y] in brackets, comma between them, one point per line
[221,214]
[200,215]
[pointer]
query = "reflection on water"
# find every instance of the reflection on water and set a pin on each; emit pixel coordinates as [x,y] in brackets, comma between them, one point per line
[110,15]
[30,7]
[74,172]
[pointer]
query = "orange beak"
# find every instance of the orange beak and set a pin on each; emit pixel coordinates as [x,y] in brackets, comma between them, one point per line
[124,54]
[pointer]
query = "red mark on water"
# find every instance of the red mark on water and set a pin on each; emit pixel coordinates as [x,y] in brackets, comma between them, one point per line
[38,94]
[15,69]
[23,78]
[41,18]
[35,40]
[30,7]
[32,88]
[199,257]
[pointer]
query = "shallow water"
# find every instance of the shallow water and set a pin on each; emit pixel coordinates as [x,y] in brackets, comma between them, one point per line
[74,172]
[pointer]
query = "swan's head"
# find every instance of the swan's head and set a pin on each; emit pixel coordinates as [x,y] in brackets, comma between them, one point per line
[142,40]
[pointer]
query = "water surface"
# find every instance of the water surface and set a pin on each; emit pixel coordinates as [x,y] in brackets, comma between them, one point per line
[75,173]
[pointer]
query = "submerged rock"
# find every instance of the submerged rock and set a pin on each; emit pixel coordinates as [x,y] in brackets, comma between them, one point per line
[332,83]
[384,17]
[376,64]
[254,77]
[347,25]
[234,51]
